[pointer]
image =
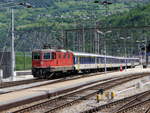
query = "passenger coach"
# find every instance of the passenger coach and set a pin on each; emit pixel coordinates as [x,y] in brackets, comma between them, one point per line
[85,61]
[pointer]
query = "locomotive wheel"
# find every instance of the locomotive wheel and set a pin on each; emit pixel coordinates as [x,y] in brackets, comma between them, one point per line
[36,77]
[49,75]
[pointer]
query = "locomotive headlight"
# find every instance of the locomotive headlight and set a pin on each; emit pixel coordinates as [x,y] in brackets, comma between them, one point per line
[41,63]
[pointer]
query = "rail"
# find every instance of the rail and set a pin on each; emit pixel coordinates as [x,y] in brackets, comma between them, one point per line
[61,101]
[130,103]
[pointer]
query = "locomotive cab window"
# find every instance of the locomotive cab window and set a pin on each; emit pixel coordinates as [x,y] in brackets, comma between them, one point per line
[68,55]
[59,56]
[64,55]
[47,56]
[53,55]
[35,56]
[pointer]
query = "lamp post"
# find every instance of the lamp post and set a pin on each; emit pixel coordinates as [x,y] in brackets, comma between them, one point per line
[105,3]
[125,49]
[12,47]
[104,34]
[146,60]
[140,53]
[13,38]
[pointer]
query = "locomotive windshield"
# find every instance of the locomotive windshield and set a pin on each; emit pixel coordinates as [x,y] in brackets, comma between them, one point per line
[36,56]
[47,56]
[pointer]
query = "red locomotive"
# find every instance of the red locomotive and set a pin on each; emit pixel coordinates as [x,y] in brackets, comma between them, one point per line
[46,62]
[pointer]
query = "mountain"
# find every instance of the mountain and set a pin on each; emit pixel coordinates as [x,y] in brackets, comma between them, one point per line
[139,16]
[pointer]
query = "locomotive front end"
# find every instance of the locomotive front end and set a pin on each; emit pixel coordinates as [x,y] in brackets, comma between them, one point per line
[41,63]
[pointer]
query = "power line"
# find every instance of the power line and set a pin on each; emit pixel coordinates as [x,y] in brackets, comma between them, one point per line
[112,28]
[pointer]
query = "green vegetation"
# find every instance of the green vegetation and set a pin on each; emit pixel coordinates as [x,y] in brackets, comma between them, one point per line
[44,23]
[37,24]
[139,16]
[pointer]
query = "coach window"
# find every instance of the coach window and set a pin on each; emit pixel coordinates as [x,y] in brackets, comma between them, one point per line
[68,55]
[47,56]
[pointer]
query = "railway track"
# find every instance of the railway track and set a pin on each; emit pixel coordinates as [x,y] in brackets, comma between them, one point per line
[126,105]
[135,102]
[56,103]
[147,110]
[44,96]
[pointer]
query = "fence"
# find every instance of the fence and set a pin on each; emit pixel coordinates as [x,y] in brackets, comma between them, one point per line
[5,63]
[23,60]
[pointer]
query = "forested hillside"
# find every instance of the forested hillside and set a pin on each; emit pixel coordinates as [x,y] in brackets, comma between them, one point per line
[45,21]
[139,16]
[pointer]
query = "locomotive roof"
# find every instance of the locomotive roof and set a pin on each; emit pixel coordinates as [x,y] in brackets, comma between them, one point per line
[52,50]
[38,50]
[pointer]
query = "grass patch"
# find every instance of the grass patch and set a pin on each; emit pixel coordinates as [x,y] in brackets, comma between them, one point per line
[23,61]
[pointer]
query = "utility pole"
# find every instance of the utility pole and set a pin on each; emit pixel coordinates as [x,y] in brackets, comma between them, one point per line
[96,44]
[62,37]
[105,49]
[83,39]
[140,52]
[125,47]
[12,47]
[146,57]
[105,3]
[13,36]
[66,40]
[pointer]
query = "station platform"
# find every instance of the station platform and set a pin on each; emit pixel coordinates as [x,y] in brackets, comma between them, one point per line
[17,78]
